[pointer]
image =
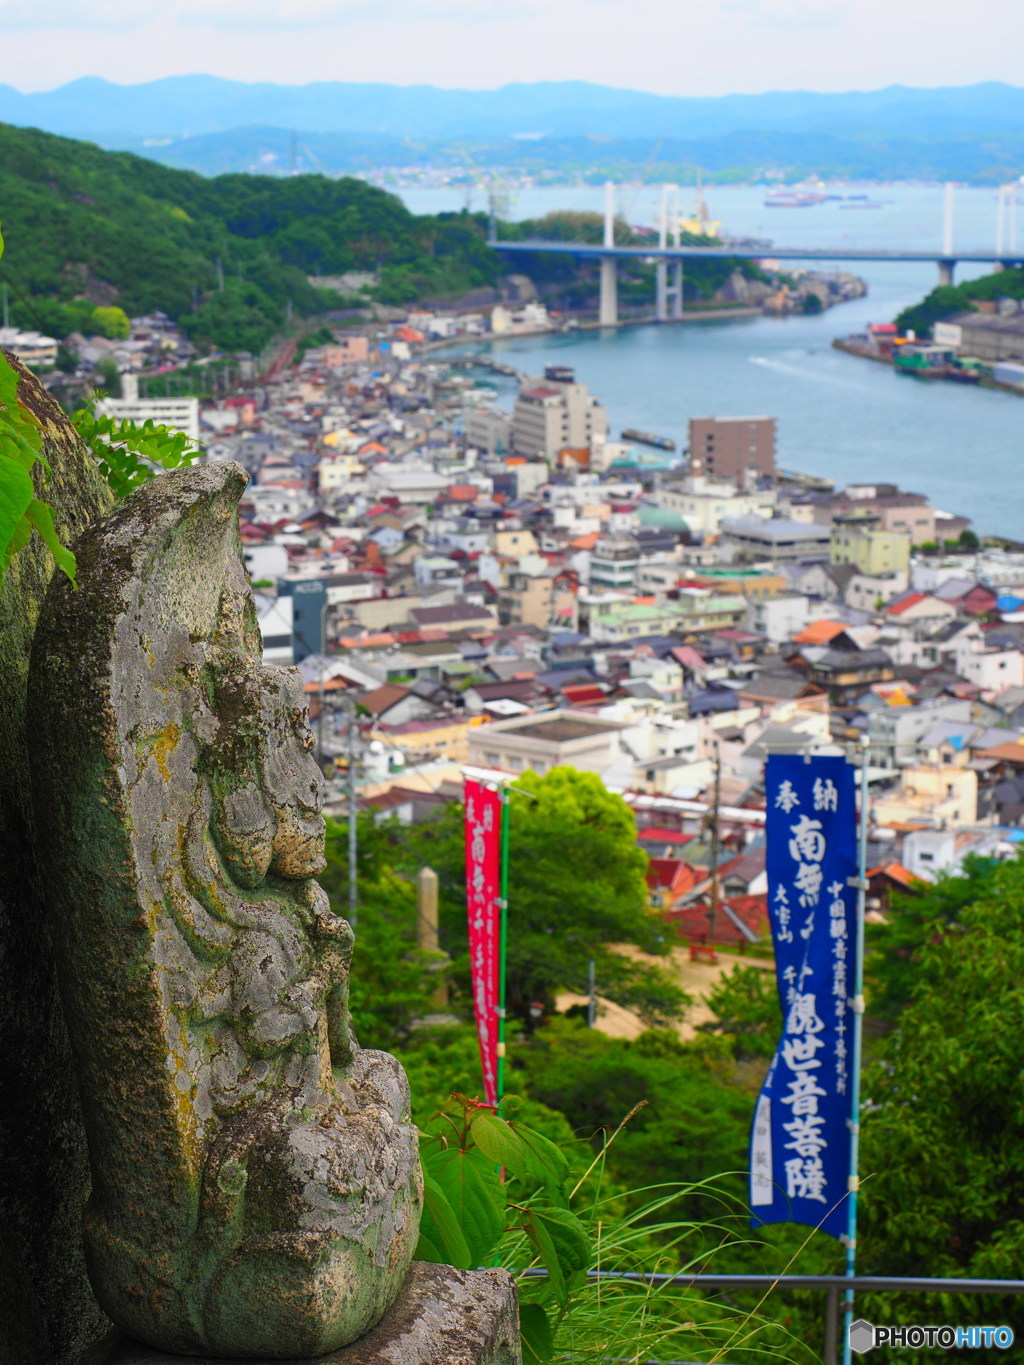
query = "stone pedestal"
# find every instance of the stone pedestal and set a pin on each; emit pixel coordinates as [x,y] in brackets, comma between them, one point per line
[441,1317]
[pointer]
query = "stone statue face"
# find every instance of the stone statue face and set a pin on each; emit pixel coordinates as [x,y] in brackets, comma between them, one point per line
[272,822]
[256,1185]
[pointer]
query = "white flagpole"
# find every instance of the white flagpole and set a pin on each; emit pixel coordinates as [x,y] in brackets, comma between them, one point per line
[853,1183]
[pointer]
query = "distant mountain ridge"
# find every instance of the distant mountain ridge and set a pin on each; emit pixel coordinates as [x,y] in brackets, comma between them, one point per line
[179,106]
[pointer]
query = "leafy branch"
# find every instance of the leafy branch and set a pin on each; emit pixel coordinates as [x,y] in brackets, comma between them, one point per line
[126,452]
[487,1177]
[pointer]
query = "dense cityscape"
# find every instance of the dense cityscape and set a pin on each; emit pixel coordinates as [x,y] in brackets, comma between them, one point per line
[511,692]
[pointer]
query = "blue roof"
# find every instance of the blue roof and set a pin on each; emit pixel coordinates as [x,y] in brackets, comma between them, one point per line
[1009,603]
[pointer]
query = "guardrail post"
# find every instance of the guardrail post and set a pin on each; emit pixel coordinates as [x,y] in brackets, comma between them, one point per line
[830,1355]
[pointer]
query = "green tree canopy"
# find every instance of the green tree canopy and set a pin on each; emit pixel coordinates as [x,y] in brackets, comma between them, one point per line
[943,1148]
[111,321]
[897,962]
[576,887]
[746,1006]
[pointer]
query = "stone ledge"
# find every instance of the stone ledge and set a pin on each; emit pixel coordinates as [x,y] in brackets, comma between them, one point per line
[442,1316]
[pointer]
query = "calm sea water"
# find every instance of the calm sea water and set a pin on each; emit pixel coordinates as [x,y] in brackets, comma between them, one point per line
[844,418]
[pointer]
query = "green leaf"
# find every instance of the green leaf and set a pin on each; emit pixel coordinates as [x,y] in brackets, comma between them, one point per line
[41,517]
[544,1153]
[477,1199]
[503,1145]
[22,427]
[441,1239]
[16,494]
[539,1234]
[535,1331]
[567,1233]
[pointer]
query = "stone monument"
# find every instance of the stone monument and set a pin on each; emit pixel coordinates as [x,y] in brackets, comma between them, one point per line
[256,1187]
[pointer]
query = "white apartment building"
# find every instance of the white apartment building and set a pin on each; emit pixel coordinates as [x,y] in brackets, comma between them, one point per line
[31,348]
[703,503]
[546,740]
[556,413]
[180,414]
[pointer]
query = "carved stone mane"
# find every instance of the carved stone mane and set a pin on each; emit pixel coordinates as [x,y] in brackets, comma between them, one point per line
[255,1180]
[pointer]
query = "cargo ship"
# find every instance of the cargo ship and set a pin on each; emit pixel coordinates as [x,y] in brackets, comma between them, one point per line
[793,199]
[647,439]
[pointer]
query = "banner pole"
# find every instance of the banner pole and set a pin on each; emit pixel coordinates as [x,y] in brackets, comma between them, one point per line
[853,1183]
[503,796]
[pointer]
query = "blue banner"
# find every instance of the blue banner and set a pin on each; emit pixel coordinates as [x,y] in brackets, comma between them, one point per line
[800,1140]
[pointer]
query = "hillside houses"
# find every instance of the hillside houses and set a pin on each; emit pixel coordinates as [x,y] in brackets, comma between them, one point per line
[476,605]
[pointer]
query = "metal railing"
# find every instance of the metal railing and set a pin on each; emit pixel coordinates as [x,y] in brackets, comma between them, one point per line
[833,1286]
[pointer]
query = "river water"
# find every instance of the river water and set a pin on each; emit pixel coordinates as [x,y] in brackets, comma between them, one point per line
[839,416]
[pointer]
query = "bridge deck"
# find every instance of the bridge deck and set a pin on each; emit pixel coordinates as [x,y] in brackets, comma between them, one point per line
[775,253]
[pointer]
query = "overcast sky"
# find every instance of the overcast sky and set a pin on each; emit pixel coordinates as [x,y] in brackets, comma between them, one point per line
[698,47]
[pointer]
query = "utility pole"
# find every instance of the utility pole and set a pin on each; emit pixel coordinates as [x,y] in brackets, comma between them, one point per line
[713,912]
[220,274]
[591,994]
[7,320]
[353,812]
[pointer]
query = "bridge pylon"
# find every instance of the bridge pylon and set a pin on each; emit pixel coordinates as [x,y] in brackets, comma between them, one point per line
[608,314]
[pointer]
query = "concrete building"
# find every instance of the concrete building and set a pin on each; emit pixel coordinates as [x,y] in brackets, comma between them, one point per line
[704,503]
[275,618]
[774,539]
[32,348]
[895,731]
[336,472]
[930,853]
[613,564]
[858,538]
[986,336]
[614,622]
[488,430]
[732,448]
[549,739]
[556,412]
[526,600]
[180,414]
[778,619]
[938,796]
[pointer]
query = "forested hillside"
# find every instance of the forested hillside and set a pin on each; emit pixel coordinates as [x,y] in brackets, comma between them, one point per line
[84,226]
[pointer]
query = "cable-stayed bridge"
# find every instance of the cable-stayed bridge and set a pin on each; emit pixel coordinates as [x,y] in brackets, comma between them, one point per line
[672,254]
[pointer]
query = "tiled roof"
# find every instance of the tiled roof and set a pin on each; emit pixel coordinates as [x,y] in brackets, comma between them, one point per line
[819,632]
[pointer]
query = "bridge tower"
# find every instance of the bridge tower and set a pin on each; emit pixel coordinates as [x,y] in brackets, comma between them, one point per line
[947,261]
[608,315]
[1006,227]
[669,296]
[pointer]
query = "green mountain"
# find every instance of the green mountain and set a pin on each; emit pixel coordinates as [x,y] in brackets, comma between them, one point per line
[85,226]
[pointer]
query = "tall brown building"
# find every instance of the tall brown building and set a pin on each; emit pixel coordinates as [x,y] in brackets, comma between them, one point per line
[727,447]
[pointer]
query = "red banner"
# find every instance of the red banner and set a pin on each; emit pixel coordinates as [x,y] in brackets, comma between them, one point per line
[483,892]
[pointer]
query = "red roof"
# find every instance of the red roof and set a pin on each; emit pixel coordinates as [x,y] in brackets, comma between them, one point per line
[896,872]
[659,834]
[539,393]
[672,875]
[899,607]
[740,919]
[584,694]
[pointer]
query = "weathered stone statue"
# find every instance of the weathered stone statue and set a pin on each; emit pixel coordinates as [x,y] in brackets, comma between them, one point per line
[255,1181]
